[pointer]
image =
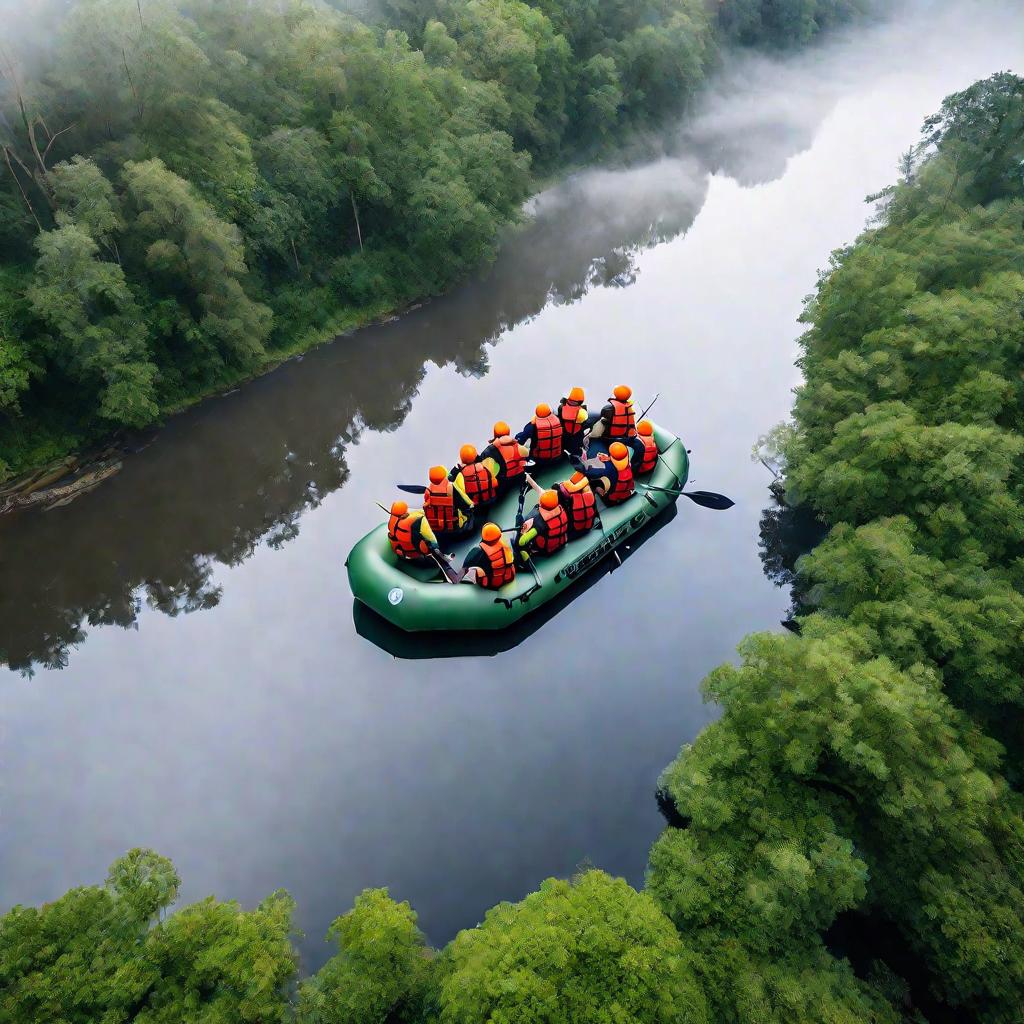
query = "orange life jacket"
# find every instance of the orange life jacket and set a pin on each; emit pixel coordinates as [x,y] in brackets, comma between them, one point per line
[548,445]
[582,508]
[623,422]
[502,564]
[556,533]
[480,485]
[439,506]
[568,414]
[511,457]
[649,458]
[406,537]
[624,486]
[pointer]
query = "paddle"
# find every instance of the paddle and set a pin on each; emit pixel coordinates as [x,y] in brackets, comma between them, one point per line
[412,488]
[643,415]
[449,572]
[707,499]
[523,555]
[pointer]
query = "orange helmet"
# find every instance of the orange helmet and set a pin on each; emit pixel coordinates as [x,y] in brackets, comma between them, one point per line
[467,454]
[399,508]
[437,474]
[549,500]
[543,409]
[501,429]
[576,395]
[645,427]
[618,450]
[491,532]
[576,482]
[623,393]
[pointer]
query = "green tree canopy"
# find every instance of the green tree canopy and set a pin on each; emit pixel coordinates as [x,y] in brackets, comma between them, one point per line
[591,951]
[379,973]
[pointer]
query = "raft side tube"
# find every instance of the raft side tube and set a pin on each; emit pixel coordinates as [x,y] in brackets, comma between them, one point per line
[417,600]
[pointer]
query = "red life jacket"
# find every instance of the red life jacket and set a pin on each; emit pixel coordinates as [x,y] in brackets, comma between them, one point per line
[511,457]
[568,414]
[624,487]
[439,506]
[405,536]
[502,564]
[556,533]
[548,445]
[582,508]
[480,485]
[649,459]
[623,422]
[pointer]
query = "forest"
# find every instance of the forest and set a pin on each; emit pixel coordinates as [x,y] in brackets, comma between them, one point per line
[193,190]
[846,842]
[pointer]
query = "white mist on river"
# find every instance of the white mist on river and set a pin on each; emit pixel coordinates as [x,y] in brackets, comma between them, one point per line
[244,728]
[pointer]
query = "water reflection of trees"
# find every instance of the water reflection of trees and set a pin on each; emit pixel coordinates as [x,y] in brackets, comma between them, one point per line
[243,470]
[786,534]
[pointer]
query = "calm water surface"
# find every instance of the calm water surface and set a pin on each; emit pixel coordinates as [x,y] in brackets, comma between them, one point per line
[189,676]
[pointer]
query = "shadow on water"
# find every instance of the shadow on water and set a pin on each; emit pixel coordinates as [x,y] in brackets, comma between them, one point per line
[425,646]
[787,533]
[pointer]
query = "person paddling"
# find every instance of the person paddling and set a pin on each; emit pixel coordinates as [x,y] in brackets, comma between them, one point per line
[618,417]
[447,507]
[645,449]
[477,477]
[547,528]
[577,498]
[572,412]
[509,455]
[544,435]
[612,478]
[412,539]
[490,564]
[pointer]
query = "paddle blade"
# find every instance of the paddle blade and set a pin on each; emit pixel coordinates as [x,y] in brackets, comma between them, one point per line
[708,499]
[411,488]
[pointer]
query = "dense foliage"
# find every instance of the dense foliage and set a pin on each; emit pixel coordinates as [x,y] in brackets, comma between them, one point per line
[853,767]
[191,190]
[106,953]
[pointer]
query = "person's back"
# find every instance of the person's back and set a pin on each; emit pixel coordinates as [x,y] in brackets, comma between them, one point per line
[544,434]
[446,507]
[645,448]
[572,413]
[577,498]
[509,455]
[409,533]
[491,564]
[547,528]
[618,418]
[613,477]
[477,477]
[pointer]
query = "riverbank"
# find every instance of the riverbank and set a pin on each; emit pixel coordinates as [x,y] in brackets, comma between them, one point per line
[212,227]
[69,474]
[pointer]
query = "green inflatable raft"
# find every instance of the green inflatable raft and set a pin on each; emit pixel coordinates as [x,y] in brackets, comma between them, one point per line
[419,599]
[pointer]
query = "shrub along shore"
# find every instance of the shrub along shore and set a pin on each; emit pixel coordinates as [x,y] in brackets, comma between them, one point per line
[191,192]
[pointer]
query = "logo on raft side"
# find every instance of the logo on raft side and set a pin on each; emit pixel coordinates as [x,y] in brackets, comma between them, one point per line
[591,558]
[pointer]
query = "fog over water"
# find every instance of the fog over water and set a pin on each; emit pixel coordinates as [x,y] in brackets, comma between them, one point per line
[216,701]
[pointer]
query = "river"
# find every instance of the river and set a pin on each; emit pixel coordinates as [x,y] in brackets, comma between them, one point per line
[186,669]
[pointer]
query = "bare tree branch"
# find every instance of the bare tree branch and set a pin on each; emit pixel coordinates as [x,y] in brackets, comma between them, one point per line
[21,189]
[54,138]
[138,102]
